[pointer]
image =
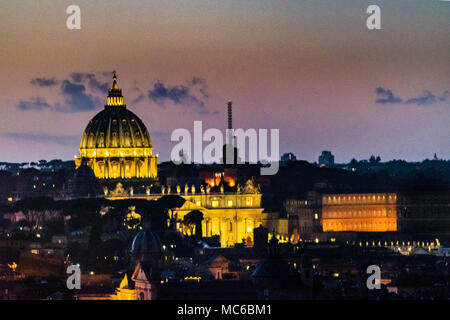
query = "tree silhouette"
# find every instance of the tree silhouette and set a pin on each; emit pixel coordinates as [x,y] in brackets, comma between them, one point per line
[194,217]
[170,202]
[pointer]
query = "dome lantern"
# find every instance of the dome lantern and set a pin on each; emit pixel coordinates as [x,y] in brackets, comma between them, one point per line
[115,97]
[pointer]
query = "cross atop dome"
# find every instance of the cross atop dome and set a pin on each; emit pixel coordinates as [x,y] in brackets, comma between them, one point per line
[115,97]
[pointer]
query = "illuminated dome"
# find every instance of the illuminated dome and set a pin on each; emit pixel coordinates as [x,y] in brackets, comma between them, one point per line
[115,127]
[116,144]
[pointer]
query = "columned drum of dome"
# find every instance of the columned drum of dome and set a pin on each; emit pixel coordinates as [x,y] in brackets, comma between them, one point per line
[116,143]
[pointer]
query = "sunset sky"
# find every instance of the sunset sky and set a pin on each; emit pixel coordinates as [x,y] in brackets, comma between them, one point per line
[309,68]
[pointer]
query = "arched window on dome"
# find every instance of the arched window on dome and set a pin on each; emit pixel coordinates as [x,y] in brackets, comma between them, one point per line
[126,139]
[101,140]
[114,140]
[138,139]
[91,141]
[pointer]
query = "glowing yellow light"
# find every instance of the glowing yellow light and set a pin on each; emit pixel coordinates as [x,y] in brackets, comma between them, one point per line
[336,275]
[13,266]
[193,278]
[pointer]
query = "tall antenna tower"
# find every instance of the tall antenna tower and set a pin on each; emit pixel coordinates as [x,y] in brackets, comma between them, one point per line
[230,114]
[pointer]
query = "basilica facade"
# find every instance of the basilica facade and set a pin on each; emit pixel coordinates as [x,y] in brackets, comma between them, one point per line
[231,216]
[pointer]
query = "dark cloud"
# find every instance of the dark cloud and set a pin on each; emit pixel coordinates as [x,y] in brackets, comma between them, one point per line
[44,82]
[91,80]
[81,92]
[35,103]
[74,91]
[183,94]
[44,138]
[427,98]
[385,96]
[201,83]
[179,94]
[76,99]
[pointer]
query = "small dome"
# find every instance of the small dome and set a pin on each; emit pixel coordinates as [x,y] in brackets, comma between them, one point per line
[145,242]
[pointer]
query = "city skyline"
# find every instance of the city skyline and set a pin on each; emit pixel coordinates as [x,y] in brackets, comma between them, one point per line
[327,83]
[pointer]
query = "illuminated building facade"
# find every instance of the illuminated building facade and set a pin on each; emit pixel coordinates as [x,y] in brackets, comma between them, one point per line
[362,212]
[230,215]
[215,178]
[116,143]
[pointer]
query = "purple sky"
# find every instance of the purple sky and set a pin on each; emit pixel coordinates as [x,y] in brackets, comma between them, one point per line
[309,68]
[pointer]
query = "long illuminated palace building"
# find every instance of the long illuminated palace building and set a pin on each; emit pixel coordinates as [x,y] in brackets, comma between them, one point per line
[116,144]
[360,212]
